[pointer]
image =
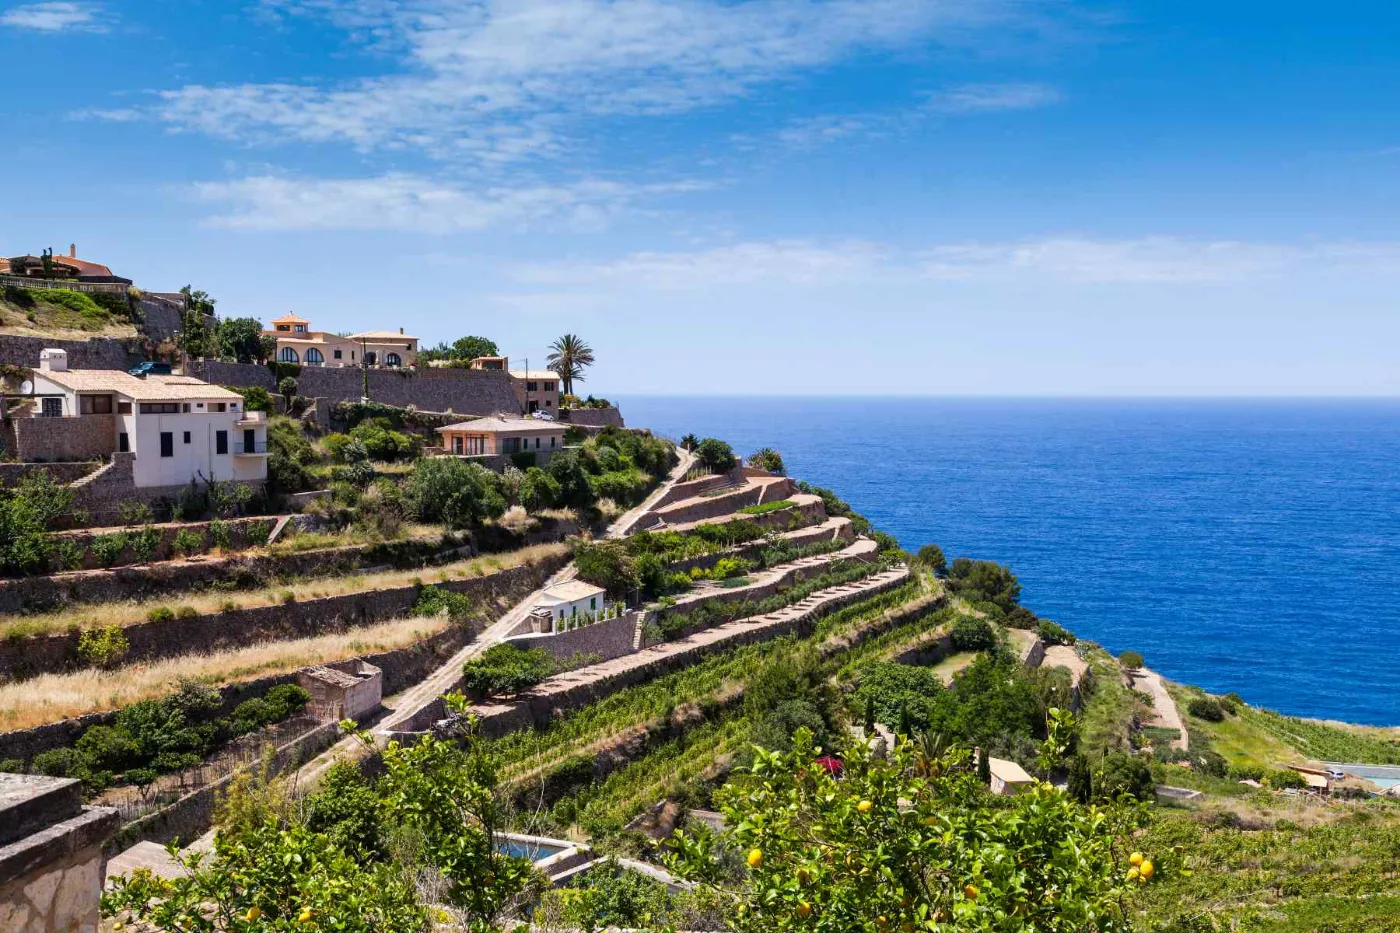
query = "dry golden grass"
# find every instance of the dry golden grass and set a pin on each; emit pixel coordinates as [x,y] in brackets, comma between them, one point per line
[52,697]
[129,613]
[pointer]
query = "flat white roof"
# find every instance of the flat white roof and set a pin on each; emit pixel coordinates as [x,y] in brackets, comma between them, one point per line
[571,592]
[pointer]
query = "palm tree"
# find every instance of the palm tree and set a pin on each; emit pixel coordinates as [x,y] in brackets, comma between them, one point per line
[569,357]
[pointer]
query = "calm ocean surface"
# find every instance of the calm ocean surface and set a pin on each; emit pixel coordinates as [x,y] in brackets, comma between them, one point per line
[1246,546]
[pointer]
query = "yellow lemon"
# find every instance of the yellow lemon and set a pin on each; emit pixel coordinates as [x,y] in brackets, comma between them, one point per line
[864,806]
[1133,874]
[804,910]
[305,915]
[970,892]
[803,875]
[882,921]
[1147,868]
[1135,859]
[253,913]
[755,858]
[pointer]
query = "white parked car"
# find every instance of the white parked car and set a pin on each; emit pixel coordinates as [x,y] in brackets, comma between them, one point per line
[541,416]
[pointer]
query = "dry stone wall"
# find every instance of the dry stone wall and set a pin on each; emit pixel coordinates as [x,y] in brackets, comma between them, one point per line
[42,440]
[41,654]
[401,668]
[610,638]
[12,474]
[462,391]
[97,353]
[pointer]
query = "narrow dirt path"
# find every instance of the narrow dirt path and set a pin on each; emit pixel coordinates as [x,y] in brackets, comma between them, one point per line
[1164,711]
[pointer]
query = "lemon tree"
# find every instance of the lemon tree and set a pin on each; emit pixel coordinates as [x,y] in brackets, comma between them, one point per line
[908,844]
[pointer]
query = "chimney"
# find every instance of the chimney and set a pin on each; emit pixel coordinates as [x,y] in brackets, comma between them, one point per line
[401,330]
[72,250]
[53,360]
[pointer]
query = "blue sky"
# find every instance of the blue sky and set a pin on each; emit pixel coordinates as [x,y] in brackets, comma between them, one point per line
[766,196]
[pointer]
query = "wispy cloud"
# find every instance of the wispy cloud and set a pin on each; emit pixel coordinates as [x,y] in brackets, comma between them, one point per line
[971,98]
[53,17]
[412,203]
[501,79]
[1152,261]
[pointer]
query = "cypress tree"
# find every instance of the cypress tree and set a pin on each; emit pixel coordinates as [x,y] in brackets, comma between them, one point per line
[984,766]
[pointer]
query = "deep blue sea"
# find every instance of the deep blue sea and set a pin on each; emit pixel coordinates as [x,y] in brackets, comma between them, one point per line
[1251,546]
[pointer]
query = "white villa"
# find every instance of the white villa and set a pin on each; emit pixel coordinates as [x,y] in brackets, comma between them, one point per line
[179,428]
[563,601]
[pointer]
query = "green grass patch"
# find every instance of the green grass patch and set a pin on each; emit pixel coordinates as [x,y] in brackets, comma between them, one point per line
[1106,719]
[767,507]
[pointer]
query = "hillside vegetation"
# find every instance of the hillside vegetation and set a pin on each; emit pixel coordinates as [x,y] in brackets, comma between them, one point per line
[63,313]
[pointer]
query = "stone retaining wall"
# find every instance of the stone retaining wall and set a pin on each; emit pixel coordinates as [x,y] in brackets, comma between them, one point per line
[41,654]
[611,638]
[725,503]
[44,440]
[592,417]
[463,391]
[12,474]
[695,487]
[97,353]
[401,668]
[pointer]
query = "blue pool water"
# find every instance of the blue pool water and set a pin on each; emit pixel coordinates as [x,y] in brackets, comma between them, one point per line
[534,851]
[1239,545]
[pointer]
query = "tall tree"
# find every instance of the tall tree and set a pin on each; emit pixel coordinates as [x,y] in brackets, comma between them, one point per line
[569,356]
[240,339]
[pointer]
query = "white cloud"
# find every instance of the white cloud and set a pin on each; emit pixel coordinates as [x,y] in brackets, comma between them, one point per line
[52,17]
[495,78]
[411,203]
[761,263]
[971,98]
[1068,260]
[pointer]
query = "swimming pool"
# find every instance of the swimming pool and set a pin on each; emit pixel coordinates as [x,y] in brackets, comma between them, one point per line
[534,850]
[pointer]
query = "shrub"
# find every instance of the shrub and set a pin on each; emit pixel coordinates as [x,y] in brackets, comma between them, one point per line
[1132,660]
[287,597]
[161,614]
[1206,708]
[931,558]
[185,613]
[1022,618]
[108,748]
[454,492]
[255,398]
[103,647]
[1053,634]
[108,549]
[289,455]
[435,601]
[12,766]
[220,535]
[505,669]
[607,564]
[1120,773]
[144,544]
[972,634]
[1286,777]
[766,458]
[188,541]
[58,762]
[66,554]
[287,386]
[978,580]
[715,455]
[134,513]
[538,491]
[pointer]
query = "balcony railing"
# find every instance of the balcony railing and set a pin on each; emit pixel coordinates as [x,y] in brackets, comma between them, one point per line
[252,417]
[257,447]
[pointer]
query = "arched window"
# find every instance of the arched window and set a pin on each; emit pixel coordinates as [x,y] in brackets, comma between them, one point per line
[371,358]
[393,360]
[314,357]
[288,355]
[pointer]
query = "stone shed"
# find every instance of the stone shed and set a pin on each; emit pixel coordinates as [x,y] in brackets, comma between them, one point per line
[50,855]
[344,690]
